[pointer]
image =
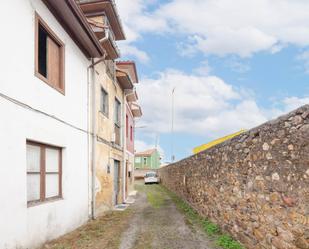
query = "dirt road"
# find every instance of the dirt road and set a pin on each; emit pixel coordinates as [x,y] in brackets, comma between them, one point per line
[157,224]
[152,222]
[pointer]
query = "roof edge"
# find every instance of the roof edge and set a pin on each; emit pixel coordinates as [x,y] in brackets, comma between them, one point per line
[90,47]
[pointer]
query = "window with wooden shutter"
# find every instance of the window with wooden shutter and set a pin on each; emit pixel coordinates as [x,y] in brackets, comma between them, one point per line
[49,57]
[44,172]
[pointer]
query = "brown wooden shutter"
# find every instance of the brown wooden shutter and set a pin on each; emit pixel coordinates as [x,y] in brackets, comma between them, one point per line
[54,63]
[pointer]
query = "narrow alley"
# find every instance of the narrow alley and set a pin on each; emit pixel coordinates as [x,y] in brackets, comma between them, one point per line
[153,221]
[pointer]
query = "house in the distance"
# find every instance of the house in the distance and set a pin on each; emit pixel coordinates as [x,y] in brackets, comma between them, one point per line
[149,159]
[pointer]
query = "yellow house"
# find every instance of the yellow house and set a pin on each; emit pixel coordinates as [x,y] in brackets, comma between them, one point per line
[207,146]
[112,90]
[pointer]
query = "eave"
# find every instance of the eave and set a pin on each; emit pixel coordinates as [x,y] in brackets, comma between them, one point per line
[108,43]
[112,50]
[129,67]
[71,17]
[124,80]
[132,96]
[136,110]
[108,7]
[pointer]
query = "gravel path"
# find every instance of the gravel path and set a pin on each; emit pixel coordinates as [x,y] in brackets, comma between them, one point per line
[157,224]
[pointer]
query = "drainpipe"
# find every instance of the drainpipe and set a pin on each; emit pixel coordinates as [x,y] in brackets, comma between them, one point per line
[94,136]
[91,154]
[106,37]
[93,133]
[124,140]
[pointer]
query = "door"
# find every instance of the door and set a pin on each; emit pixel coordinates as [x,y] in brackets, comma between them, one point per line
[116,181]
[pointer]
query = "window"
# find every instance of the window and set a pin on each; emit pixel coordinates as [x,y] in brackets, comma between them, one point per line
[49,56]
[131,133]
[151,174]
[44,172]
[117,112]
[104,102]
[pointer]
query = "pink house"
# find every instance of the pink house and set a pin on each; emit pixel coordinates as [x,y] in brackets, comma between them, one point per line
[133,111]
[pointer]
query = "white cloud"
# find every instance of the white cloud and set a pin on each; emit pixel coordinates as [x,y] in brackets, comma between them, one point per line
[222,27]
[304,59]
[204,69]
[136,20]
[204,105]
[291,103]
[238,66]
[240,27]
[130,50]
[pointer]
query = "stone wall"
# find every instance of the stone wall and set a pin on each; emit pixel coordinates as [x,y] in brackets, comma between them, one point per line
[255,186]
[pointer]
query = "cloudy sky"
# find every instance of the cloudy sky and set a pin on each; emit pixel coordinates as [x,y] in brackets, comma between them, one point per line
[233,64]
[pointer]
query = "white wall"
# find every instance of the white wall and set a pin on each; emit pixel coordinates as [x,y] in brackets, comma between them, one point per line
[22,227]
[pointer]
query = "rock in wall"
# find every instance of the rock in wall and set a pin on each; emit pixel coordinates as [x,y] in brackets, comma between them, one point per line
[254,186]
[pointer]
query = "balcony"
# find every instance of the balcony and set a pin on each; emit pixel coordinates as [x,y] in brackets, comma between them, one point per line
[106,36]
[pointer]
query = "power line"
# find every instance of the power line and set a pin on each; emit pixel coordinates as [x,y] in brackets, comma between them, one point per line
[28,107]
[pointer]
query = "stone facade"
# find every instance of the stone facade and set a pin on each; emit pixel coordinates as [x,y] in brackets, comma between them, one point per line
[255,186]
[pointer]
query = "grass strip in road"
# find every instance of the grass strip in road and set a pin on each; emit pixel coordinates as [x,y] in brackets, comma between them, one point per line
[223,240]
[155,194]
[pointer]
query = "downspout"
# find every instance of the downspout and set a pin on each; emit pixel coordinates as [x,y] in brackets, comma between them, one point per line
[106,37]
[93,133]
[124,145]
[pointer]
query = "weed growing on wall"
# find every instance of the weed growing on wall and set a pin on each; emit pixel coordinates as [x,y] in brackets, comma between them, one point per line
[211,229]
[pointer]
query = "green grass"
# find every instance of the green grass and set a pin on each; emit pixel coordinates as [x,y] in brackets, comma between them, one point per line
[213,230]
[226,242]
[155,194]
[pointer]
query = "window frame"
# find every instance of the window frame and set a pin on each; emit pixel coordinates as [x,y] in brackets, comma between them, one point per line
[43,173]
[106,102]
[118,124]
[127,126]
[50,33]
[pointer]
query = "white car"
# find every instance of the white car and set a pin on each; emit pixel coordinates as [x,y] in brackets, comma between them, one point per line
[151,177]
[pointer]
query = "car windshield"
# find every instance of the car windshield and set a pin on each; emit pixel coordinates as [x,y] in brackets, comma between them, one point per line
[151,174]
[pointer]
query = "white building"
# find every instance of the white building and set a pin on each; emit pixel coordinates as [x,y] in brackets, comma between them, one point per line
[44,142]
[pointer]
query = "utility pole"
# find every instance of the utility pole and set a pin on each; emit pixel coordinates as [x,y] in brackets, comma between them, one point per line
[172,128]
[157,140]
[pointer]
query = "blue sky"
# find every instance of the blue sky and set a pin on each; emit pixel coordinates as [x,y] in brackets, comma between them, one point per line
[235,64]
